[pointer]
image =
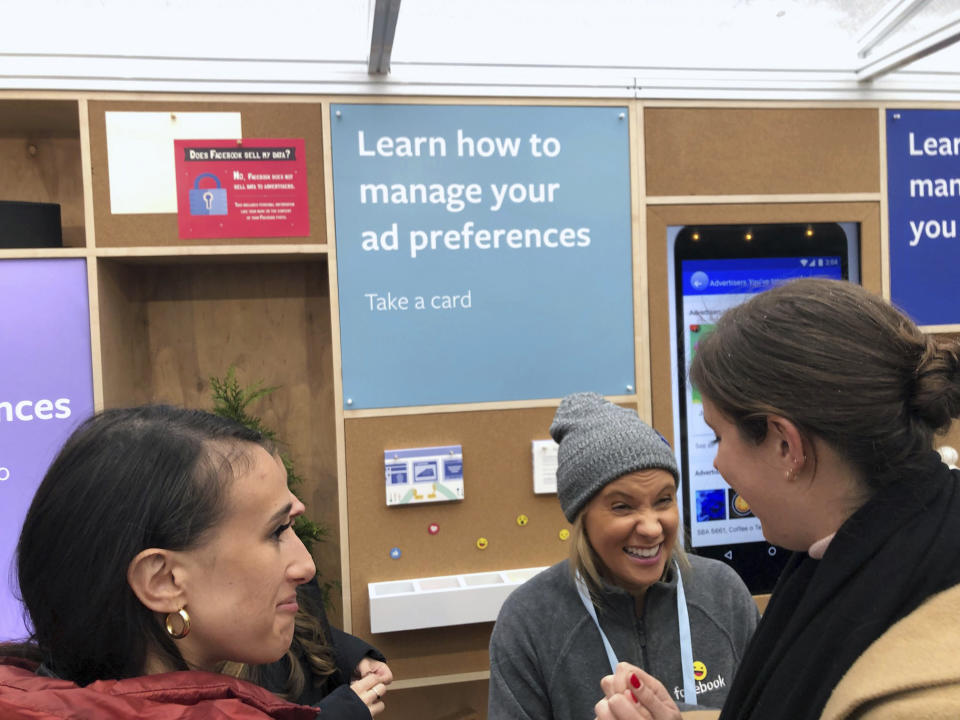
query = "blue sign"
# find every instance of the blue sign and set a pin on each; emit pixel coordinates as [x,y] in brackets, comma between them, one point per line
[923,189]
[453,469]
[483,253]
[397,474]
[425,471]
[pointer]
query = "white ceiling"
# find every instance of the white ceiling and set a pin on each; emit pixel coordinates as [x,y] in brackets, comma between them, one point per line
[624,48]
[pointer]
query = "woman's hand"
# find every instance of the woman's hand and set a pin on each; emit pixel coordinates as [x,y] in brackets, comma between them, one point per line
[631,693]
[371,691]
[369,666]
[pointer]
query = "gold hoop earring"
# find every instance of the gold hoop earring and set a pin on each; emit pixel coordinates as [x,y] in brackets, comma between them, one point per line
[792,473]
[184,624]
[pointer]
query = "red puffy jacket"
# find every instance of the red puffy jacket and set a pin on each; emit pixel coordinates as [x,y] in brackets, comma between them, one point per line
[186,695]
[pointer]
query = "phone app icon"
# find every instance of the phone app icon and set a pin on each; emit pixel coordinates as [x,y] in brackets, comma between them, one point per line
[710,505]
[696,333]
[739,508]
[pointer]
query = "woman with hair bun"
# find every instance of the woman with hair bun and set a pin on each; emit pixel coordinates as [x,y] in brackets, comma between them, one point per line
[825,401]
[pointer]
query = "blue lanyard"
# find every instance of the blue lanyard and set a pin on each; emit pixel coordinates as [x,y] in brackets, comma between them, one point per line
[683,621]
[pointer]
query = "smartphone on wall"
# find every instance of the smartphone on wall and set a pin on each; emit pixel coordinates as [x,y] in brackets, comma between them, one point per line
[712,268]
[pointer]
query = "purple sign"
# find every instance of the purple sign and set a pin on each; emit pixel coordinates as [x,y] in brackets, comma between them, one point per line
[46,390]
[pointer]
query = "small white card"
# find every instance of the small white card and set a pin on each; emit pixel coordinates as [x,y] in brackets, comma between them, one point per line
[544,466]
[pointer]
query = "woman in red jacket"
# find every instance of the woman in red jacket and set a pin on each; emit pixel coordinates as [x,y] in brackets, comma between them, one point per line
[158,547]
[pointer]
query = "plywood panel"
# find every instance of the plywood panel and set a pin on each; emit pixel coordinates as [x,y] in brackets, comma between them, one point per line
[45,169]
[659,218]
[39,119]
[124,348]
[168,327]
[498,486]
[746,151]
[459,701]
[259,120]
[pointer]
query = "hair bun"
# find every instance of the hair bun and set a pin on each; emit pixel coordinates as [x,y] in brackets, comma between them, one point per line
[936,390]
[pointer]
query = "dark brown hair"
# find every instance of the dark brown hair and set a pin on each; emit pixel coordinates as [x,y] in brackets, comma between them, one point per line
[126,480]
[839,362]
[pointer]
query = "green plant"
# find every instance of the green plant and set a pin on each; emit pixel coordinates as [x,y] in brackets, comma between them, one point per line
[231,400]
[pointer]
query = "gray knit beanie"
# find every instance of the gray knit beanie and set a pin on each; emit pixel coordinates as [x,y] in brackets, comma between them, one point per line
[600,442]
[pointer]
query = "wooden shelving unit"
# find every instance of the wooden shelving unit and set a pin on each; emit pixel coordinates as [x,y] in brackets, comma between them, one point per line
[166,314]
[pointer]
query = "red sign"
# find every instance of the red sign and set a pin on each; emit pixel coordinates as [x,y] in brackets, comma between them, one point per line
[242,188]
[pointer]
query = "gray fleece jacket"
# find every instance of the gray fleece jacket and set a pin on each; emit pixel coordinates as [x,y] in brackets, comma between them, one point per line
[546,656]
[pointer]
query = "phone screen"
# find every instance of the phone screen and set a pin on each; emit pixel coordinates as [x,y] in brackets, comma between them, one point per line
[712,268]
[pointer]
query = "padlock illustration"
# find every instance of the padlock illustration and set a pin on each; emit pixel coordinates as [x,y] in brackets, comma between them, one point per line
[208,201]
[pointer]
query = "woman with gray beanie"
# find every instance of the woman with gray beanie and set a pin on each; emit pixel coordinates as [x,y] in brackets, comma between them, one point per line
[627,592]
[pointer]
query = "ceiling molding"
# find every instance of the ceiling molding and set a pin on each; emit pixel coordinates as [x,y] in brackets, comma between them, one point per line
[944,36]
[886,22]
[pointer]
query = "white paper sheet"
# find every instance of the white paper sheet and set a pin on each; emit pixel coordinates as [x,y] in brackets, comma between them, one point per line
[140,159]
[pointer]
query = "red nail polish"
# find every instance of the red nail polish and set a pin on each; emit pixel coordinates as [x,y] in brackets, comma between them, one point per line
[634,697]
[634,680]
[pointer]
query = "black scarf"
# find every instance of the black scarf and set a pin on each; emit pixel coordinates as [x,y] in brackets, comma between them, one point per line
[897,550]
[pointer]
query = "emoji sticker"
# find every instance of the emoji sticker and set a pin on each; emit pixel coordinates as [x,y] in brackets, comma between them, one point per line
[699,670]
[433,528]
[564,534]
[481,543]
[395,553]
[522,520]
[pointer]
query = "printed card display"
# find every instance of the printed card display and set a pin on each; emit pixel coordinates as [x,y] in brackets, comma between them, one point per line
[422,475]
[248,188]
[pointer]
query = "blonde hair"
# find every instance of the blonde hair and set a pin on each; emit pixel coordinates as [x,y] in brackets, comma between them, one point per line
[584,559]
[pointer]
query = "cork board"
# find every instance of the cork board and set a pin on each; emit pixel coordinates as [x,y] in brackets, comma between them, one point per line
[259,120]
[660,217]
[747,151]
[498,486]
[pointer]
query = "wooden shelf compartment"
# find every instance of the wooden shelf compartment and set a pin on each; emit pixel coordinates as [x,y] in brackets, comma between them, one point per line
[216,253]
[41,159]
[166,327]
